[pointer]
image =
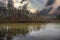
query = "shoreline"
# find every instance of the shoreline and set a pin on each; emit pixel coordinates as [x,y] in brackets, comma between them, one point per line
[56,21]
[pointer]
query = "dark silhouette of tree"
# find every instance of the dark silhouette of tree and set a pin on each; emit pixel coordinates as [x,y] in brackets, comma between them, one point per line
[58,17]
[2,33]
[23,1]
[10,4]
[25,7]
[9,37]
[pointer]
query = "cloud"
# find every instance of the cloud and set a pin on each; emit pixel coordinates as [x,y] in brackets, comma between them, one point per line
[3,3]
[18,4]
[32,10]
[36,2]
[57,3]
[55,6]
[50,2]
[47,32]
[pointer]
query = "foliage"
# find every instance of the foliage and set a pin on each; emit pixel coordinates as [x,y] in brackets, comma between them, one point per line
[58,17]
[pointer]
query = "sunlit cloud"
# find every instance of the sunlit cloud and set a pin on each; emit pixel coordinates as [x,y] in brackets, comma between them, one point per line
[32,4]
[17,3]
[55,6]
[33,10]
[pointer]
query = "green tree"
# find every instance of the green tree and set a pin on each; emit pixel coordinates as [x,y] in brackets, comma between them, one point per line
[58,17]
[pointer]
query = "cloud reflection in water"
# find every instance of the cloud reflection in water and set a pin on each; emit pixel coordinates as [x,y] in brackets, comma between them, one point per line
[50,32]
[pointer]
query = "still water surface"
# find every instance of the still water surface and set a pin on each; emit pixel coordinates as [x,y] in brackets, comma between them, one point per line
[31,31]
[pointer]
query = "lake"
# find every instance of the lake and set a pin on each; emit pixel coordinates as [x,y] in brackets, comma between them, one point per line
[30,31]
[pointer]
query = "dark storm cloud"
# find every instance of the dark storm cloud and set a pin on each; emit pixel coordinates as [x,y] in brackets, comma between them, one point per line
[50,2]
[25,4]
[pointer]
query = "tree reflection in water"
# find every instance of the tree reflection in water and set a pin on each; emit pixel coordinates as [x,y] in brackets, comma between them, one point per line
[51,31]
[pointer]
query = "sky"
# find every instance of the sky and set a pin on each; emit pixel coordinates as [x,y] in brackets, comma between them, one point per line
[34,4]
[4,2]
[37,4]
[55,6]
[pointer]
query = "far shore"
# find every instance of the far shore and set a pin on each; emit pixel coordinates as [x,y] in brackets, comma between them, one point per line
[45,21]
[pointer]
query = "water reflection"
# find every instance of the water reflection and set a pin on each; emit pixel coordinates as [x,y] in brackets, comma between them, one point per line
[49,31]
